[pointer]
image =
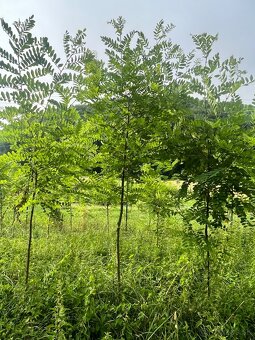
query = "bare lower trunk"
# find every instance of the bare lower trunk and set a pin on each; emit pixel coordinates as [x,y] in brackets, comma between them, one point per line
[1,211]
[127,206]
[232,209]
[122,195]
[207,245]
[157,228]
[71,217]
[207,206]
[27,216]
[118,227]
[29,246]
[48,229]
[107,219]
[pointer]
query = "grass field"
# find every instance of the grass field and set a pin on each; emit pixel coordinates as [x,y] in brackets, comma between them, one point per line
[72,292]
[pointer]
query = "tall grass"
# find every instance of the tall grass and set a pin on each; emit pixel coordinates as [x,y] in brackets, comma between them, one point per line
[72,292]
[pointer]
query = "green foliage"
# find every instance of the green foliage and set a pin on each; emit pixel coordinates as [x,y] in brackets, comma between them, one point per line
[213,142]
[161,288]
[40,140]
[148,116]
[34,77]
[159,196]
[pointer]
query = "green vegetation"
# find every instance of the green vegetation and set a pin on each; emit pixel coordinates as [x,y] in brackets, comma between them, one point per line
[126,189]
[72,290]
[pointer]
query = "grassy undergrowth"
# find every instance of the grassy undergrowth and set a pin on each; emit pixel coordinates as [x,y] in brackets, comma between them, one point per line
[72,292]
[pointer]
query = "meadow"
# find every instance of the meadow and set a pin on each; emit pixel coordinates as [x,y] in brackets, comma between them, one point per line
[73,294]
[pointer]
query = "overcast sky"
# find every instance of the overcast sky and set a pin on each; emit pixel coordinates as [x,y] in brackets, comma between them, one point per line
[234,20]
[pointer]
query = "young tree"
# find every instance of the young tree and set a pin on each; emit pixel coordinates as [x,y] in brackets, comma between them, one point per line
[132,98]
[212,142]
[159,196]
[40,89]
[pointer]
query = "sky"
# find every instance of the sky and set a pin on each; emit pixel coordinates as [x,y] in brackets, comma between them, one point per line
[233,20]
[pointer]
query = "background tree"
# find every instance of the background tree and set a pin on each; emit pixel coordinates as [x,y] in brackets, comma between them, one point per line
[159,196]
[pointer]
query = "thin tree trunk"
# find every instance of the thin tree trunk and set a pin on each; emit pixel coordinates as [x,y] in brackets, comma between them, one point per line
[149,220]
[107,219]
[207,198]
[118,226]
[27,215]
[13,221]
[232,209]
[29,246]
[122,195]
[157,228]
[127,206]
[207,245]
[48,228]
[71,216]
[1,211]
[27,209]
